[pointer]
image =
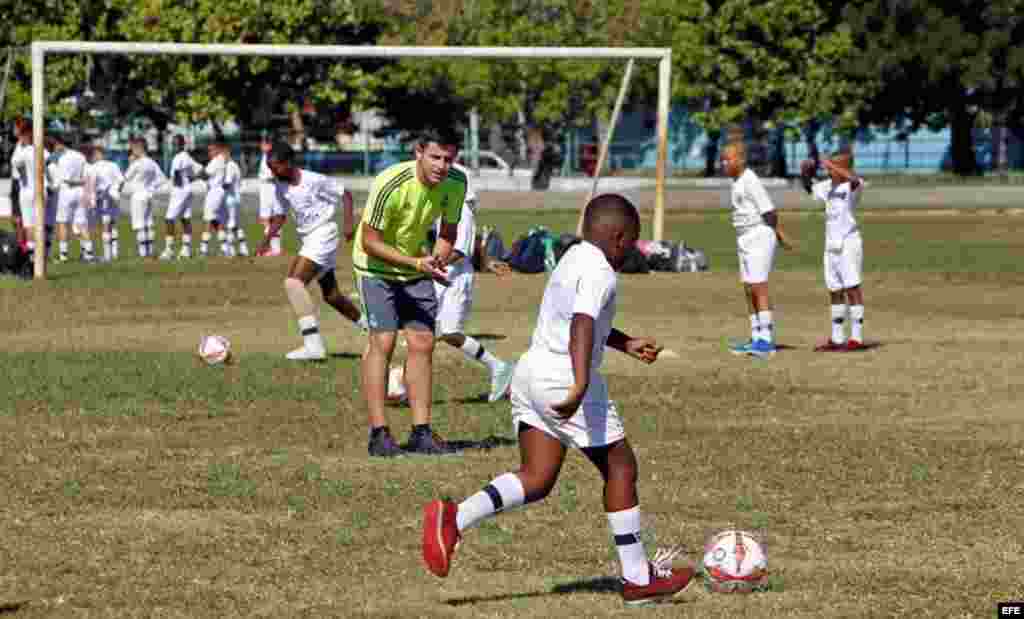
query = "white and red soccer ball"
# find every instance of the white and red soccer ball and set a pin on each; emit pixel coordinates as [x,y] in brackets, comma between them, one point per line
[214,349]
[735,562]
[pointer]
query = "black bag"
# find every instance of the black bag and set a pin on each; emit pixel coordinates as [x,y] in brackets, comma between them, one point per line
[527,254]
[564,242]
[635,262]
[13,258]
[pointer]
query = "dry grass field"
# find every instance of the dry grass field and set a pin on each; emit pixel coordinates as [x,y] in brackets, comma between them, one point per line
[137,482]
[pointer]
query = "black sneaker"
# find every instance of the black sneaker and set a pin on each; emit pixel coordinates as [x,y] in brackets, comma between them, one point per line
[383,446]
[428,443]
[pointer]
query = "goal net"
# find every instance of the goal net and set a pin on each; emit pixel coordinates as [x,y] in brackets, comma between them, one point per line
[161,92]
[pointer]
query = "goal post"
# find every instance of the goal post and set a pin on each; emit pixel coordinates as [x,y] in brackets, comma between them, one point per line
[40,49]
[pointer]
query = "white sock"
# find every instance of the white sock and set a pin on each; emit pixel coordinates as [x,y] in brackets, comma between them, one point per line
[755,327]
[475,351]
[857,323]
[204,244]
[186,240]
[115,245]
[310,328]
[87,248]
[625,526]
[140,238]
[504,492]
[243,247]
[108,251]
[169,244]
[838,324]
[275,243]
[63,249]
[767,332]
[225,249]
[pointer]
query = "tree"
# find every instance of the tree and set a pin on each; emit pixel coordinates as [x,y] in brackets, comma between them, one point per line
[939,64]
[738,59]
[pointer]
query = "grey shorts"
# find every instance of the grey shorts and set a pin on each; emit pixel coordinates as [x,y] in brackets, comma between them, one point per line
[391,305]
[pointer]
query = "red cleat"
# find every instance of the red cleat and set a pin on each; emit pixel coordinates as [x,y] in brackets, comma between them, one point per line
[854,345]
[665,581]
[440,536]
[830,346]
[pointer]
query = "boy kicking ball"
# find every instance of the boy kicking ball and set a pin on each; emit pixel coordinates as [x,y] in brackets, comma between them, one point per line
[844,249]
[560,400]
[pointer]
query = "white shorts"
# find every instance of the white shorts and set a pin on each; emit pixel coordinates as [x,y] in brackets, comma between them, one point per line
[454,303]
[843,267]
[28,209]
[321,246]
[230,210]
[179,206]
[268,201]
[756,251]
[7,207]
[69,206]
[142,210]
[108,207]
[541,381]
[214,205]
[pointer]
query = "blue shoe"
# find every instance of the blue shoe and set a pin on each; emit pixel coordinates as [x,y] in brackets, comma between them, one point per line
[762,349]
[742,348]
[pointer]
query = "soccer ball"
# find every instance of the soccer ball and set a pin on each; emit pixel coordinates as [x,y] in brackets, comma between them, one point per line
[214,349]
[735,562]
[396,385]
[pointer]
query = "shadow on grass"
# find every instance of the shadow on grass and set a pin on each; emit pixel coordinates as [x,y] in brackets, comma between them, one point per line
[605,585]
[12,607]
[487,336]
[345,355]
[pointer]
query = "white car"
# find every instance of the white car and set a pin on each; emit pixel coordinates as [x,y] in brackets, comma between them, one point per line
[492,165]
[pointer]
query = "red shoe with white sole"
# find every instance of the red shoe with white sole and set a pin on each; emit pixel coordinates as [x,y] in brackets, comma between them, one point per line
[440,536]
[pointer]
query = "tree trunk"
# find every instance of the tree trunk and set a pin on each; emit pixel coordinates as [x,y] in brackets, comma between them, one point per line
[965,162]
[711,153]
[811,130]
[779,153]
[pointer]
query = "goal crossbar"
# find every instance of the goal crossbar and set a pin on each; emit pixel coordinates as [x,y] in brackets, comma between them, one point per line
[41,48]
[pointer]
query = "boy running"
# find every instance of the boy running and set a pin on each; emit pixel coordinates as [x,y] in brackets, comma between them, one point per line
[560,400]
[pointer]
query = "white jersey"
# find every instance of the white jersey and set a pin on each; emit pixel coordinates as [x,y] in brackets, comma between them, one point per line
[24,169]
[232,177]
[184,170]
[215,171]
[314,201]
[144,174]
[108,176]
[840,202]
[465,237]
[265,174]
[71,168]
[582,283]
[750,202]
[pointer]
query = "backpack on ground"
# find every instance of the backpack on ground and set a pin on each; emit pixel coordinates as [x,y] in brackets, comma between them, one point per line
[529,253]
[13,257]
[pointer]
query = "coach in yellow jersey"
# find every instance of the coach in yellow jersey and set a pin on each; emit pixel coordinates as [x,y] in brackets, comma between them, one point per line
[396,280]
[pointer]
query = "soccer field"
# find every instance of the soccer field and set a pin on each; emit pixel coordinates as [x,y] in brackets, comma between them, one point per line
[138,482]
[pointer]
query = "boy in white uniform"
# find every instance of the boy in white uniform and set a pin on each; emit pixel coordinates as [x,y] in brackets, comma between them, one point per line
[267,198]
[213,207]
[73,219]
[184,170]
[145,178]
[103,188]
[757,233]
[844,249]
[232,204]
[24,169]
[314,200]
[455,301]
[560,400]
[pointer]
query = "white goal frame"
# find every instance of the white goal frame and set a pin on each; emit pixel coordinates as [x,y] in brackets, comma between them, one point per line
[41,48]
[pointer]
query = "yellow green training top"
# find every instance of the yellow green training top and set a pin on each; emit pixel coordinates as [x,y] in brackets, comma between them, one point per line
[403,209]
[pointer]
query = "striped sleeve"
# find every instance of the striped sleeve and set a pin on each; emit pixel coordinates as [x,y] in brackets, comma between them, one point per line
[385,191]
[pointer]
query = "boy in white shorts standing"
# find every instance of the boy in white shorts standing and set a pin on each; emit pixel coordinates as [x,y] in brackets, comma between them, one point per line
[213,207]
[314,201]
[232,205]
[267,191]
[560,400]
[455,300]
[184,169]
[72,216]
[24,169]
[145,178]
[103,190]
[844,249]
[758,231]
